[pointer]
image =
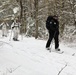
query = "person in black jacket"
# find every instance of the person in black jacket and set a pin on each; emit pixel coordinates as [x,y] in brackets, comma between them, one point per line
[52,24]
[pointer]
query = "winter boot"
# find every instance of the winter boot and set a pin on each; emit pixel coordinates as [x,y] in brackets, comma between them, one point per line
[14,39]
[17,40]
[57,49]
[48,48]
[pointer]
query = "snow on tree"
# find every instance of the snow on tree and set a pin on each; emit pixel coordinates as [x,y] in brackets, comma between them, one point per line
[33,15]
[7,7]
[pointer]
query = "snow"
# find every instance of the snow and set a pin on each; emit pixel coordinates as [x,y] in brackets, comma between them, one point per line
[29,57]
[16,9]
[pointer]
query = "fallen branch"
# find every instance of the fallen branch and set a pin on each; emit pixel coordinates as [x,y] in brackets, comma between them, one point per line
[62,69]
[6,43]
[73,54]
[11,70]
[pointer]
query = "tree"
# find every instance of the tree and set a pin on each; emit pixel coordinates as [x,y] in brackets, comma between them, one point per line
[8,6]
[36,17]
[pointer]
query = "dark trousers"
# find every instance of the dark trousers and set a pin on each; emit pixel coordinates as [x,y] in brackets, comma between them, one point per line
[55,35]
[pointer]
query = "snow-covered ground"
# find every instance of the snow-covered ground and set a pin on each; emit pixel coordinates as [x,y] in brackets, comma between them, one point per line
[29,57]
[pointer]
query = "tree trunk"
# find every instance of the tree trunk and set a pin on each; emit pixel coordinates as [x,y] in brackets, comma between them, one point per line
[36,18]
[63,22]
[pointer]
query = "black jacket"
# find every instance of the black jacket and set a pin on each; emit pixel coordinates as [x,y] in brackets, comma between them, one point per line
[52,24]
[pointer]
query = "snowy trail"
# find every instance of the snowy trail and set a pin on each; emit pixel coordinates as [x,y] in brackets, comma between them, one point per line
[29,57]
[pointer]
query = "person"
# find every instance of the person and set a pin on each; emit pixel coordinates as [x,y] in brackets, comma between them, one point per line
[4,26]
[52,25]
[15,27]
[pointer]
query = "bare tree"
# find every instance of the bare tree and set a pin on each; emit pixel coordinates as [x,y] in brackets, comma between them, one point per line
[36,17]
[62,26]
[72,5]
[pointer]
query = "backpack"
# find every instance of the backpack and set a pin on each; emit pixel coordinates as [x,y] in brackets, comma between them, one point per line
[48,22]
[52,24]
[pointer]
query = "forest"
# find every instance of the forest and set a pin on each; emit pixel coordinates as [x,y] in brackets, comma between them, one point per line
[33,14]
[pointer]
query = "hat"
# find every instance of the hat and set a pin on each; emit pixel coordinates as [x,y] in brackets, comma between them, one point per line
[55,16]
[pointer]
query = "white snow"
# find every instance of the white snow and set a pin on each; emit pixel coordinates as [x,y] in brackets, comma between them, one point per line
[16,9]
[29,57]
